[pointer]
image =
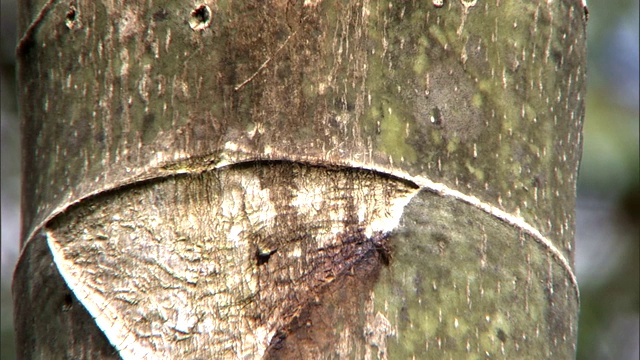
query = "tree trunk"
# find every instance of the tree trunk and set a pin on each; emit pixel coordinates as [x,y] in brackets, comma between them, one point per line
[317,179]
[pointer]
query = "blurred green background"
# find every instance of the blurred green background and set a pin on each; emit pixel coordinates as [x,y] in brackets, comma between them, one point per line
[608,213]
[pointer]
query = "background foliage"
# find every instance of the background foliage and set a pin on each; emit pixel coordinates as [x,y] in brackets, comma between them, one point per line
[608,230]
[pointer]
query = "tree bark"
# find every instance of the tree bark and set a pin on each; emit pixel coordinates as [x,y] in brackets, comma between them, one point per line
[329,179]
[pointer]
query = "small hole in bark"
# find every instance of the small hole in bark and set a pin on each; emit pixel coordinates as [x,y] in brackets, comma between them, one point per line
[67,302]
[200,18]
[71,20]
[262,256]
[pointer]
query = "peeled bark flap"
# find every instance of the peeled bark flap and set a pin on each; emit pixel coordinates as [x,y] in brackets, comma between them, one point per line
[214,265]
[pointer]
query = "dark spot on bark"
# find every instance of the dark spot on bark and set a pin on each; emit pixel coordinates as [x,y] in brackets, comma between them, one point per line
[200,18]
[343,104]
[262,256]
[537,181]
[147,123]
[160,15]
[404,317]
[71,19]
[556,56]
[384,253]
[501,335]
[418,282]
[383,248]
[435,117]
[201,13]
[283,73]
[67,302]
[99,137]
[71,14]
[333,122]
[442,241]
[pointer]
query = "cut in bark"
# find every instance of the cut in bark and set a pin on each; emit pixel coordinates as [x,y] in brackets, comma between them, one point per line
[317,179]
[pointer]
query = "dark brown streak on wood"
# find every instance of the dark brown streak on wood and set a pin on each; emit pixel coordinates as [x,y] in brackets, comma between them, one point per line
[311,333]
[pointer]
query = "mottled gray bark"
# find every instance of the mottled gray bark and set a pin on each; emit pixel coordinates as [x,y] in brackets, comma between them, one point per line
[317,179]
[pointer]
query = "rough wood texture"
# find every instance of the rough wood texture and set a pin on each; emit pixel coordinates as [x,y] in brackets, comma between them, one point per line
[211,265]
[473,108]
